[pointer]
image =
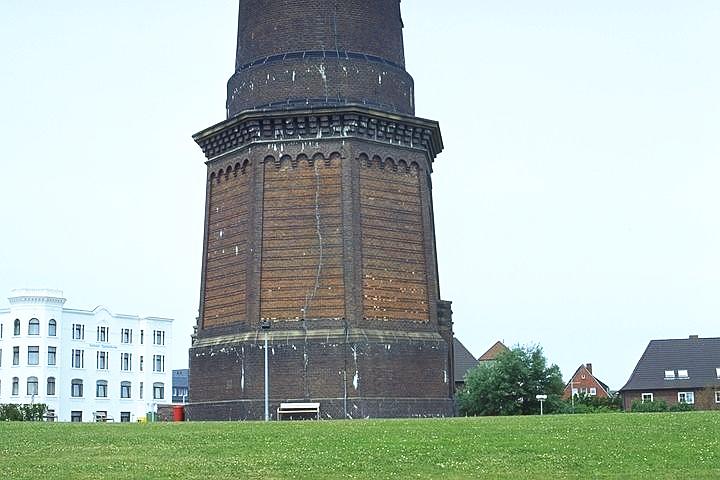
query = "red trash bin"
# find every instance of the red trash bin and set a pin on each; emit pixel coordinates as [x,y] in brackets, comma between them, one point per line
[178,413]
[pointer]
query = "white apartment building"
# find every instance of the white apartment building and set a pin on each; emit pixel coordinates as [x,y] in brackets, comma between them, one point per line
[83,364]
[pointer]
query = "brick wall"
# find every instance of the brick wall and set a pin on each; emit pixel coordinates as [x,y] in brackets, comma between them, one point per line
[393,251]
[335,369]
[367,26]
[227,246]
[326,30]
[302,252]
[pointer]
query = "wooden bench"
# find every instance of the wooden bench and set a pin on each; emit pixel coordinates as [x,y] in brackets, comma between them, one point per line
[103,417]
[299,411]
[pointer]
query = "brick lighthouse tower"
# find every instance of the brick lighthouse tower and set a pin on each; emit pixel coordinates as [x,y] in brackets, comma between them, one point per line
[319,228]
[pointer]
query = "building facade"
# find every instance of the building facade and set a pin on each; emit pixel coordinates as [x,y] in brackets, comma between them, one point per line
[464,362]
[319,229]
[84,365]
[583,382]
[682,370]
[180,392]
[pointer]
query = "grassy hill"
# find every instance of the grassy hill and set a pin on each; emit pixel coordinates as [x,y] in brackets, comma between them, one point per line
[668,445]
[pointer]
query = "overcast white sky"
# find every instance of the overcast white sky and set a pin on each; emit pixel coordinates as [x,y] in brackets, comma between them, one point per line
[576,200]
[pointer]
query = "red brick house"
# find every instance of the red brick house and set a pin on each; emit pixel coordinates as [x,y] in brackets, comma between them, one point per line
[583,382]
[493,352]
[685,370]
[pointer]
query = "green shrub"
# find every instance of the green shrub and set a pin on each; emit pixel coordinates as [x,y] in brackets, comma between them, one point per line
[644,407]
[584,403]
[19,413]
[682,407]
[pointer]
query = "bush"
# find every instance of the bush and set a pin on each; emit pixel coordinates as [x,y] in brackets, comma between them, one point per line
[682,407]
[584,403]
[644,407]
[22,413]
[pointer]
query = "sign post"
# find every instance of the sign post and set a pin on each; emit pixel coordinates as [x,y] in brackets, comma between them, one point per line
[542,398]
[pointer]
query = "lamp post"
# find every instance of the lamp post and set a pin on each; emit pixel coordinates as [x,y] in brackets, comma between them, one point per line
[542,398]
[265,325]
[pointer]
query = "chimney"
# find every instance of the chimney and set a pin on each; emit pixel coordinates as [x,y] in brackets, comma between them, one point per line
[589,367]
[694,337]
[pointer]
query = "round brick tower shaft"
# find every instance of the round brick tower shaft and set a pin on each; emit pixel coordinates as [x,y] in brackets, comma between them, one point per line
[319,229]
[326,52]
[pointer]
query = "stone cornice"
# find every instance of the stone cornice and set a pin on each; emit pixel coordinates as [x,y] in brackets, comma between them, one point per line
[321,123]
[328,335]
[36,300]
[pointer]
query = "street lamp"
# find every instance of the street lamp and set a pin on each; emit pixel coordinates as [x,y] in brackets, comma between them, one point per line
[265,325]
[542,398]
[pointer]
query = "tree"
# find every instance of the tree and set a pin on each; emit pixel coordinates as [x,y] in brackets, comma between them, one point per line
[508,385]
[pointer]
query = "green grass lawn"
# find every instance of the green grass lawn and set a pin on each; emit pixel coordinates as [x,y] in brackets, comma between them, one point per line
[668,445]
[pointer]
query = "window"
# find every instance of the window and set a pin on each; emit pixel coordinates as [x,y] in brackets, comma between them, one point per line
[16,355]
[0,357]
[76,389]
[158,391]
[52,356]
[16,330]
[142,362]
[669,374]
[101,389]
[574,392]
[683,374]
[51,386]
[158,363]
[126,335]
[142,337]
[78,331]
[141,390]
[686,397]
[16,386]
[33,355]
[647,397]
[76,416]
[78,358]
[34,327]
[124,417]
[32,386]
[126,361]
[50,415]
[717,372]
[158,337]
[125,390]
[593,391]
[102,360]
[180,392]
[717,396]
[103,334]
[2,325]
[52,328]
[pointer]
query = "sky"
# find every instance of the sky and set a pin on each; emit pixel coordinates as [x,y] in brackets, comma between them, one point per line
[575,201]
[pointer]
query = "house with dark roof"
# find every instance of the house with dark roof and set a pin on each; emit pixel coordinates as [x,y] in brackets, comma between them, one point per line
[583,382]
[683,370]
[464,362]
[493,352]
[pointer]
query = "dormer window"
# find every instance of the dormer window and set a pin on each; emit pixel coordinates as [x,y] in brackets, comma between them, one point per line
[669,374]
[683,374]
